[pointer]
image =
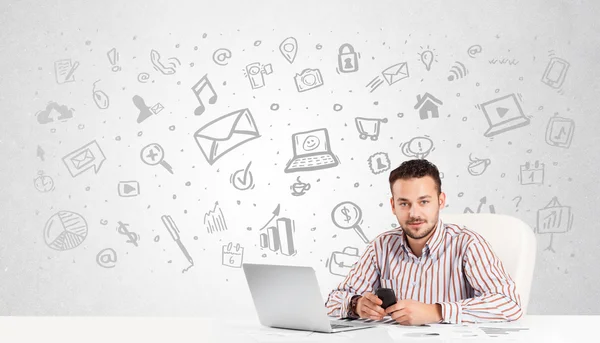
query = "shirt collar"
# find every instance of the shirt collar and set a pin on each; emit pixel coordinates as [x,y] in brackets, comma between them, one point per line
[433,243]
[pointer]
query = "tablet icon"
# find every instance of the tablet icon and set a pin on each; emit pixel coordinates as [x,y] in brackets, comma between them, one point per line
[559,132]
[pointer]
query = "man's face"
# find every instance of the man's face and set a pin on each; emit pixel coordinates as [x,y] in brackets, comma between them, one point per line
[416,204]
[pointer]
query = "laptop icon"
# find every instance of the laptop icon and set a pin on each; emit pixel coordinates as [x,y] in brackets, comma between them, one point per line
[289,297]
[311,152]
[503,114]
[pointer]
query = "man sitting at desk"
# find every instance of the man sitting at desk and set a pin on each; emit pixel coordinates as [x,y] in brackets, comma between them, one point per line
[440,272]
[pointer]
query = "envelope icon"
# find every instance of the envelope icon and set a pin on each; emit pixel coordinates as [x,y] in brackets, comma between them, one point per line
[226,133]
[83,158]
[157,108]
[396,73]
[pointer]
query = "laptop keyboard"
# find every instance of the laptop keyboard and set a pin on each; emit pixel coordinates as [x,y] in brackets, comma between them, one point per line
[339,326]
[310,161]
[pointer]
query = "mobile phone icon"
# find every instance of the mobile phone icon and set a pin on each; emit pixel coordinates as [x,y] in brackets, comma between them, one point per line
[555,72]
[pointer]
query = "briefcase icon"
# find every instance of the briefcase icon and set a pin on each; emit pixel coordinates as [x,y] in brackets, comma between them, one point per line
[340,263]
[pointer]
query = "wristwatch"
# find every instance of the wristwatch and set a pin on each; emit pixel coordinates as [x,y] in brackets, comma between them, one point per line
[353,303]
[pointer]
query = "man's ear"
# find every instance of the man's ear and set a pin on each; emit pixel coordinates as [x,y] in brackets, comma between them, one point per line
[442,199]
[393,205]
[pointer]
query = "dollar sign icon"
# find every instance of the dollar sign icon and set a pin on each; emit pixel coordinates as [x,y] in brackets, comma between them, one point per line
[345,212]
[133,237]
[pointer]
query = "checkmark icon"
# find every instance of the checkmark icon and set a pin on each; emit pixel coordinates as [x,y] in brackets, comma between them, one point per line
[244,181]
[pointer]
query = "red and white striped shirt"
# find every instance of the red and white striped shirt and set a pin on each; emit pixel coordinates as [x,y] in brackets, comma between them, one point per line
[457,269]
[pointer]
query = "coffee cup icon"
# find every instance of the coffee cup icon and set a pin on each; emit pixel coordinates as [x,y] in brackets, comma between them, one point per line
[478,166]
[299,188]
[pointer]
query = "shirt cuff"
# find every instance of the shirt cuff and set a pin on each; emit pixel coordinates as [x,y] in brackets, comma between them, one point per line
[451,312]
[345,312]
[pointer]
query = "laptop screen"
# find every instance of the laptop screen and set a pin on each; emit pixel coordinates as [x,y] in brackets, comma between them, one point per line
[311,142]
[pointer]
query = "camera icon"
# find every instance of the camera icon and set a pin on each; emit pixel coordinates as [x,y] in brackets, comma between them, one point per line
[308,79]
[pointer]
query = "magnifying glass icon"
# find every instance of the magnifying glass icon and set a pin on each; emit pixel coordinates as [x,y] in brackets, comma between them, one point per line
[347,215]
[153,154]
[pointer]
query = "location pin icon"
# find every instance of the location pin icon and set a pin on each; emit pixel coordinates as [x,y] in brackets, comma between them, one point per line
[427,58]
[289,48]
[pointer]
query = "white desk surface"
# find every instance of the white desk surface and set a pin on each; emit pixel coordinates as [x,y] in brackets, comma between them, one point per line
[185,329]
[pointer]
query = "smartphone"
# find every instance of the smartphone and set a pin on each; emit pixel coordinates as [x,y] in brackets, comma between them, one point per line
[386,295]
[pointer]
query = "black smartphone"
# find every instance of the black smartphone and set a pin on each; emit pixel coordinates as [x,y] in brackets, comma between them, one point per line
[386,295]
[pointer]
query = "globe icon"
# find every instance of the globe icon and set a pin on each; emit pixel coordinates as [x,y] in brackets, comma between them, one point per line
[65,230]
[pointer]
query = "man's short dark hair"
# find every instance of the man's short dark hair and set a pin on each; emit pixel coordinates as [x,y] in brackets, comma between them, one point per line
[416,169]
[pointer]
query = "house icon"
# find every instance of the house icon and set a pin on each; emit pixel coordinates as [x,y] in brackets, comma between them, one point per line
[428,106]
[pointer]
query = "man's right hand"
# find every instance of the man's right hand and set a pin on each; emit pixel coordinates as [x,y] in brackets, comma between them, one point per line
[369,306]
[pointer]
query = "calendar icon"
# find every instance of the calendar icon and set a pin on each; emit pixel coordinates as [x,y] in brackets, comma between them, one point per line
[532,175]
[233,256]
[560,131]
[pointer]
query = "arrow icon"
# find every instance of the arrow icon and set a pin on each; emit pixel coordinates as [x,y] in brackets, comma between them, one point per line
[40,152]
[275,214]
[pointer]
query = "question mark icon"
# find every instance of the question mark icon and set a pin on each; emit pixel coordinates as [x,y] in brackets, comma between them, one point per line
[518,201]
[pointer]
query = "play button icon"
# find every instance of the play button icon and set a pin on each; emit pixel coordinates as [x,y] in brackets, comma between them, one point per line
[501,111]
[129,188]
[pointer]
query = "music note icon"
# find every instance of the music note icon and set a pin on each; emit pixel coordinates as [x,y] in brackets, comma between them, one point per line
[197,89]
[559,131]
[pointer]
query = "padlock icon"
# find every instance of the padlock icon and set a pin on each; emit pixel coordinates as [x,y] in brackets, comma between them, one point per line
[347,59]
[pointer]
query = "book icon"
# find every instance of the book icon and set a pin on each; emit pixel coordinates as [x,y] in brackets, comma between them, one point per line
[280,237]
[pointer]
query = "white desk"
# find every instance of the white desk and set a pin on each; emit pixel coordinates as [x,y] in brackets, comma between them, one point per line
[180,330]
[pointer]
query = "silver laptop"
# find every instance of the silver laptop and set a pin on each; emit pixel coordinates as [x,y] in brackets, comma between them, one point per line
[289,297]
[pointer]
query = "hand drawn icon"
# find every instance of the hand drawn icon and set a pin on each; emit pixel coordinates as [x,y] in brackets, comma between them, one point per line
[299,188]
[64,70]
[168,69]
[559,131]
[391,75]
[554,218]
[503,114]
[143,77]
[532,175]
[113,58]
[474,50]
[156,109]
[255,72]
[43,183]
[40,153]
[169,223]
[341,262]
[379,162]
[242,179]
[100,98]
[308,79]
[128,188]
[458,71]
[65,230]
[427,57]
[556,72]
[84,158]
[312,151]
[289,49]
[280,237]
[153,154]
[418,147]
[123,230]
[504,60]
[368,127]
[232,258]
[214,220]
[347,59]
[145,111]
[197,89]
[478,166]
[226,133]
[482,202]
[107,258]
[220,56]
[347,215]
[54,111]
[428,106]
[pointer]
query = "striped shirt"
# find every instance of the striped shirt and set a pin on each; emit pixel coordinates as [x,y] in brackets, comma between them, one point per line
[457,269]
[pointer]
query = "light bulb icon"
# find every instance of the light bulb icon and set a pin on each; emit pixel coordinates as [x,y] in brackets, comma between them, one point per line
[418,147]
[427,58]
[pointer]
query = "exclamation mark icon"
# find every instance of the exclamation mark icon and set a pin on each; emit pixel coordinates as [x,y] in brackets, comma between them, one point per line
[113,57]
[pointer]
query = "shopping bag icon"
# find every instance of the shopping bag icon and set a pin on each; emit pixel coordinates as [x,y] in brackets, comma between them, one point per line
[340,263]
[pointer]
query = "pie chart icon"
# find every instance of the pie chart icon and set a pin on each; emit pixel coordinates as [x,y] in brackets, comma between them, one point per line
[65,230]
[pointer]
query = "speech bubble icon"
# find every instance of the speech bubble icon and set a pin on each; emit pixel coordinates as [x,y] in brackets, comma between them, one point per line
[84,158]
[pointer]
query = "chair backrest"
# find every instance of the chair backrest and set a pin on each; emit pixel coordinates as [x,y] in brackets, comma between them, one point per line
[512,240]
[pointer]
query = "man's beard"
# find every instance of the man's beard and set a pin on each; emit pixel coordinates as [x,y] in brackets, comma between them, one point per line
[423,234]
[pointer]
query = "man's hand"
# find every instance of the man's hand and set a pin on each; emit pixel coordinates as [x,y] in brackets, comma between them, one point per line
[369,306]
[412,312]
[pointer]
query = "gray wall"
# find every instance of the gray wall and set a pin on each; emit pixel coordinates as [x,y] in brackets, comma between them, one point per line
[500,60]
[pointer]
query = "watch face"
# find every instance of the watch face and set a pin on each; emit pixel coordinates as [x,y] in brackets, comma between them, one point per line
[43,183]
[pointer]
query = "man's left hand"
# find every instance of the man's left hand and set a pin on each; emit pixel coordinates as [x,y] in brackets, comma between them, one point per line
[412,312]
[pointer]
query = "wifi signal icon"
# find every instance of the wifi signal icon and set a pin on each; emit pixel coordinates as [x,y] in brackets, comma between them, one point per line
[457,72]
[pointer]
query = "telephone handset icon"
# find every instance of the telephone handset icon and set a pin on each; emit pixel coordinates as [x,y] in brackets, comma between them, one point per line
[158,65]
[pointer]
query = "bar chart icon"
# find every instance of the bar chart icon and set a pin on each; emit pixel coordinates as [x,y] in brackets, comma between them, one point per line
[279,237]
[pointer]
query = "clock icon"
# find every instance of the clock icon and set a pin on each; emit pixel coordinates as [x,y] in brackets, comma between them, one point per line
[43,183]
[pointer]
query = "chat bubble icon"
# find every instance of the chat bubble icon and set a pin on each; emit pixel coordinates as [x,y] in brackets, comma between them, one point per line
[84,158]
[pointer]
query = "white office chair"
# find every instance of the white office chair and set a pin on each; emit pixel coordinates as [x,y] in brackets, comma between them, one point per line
[512,240]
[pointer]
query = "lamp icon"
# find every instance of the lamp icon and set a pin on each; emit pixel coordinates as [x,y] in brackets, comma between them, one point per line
[418,147]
